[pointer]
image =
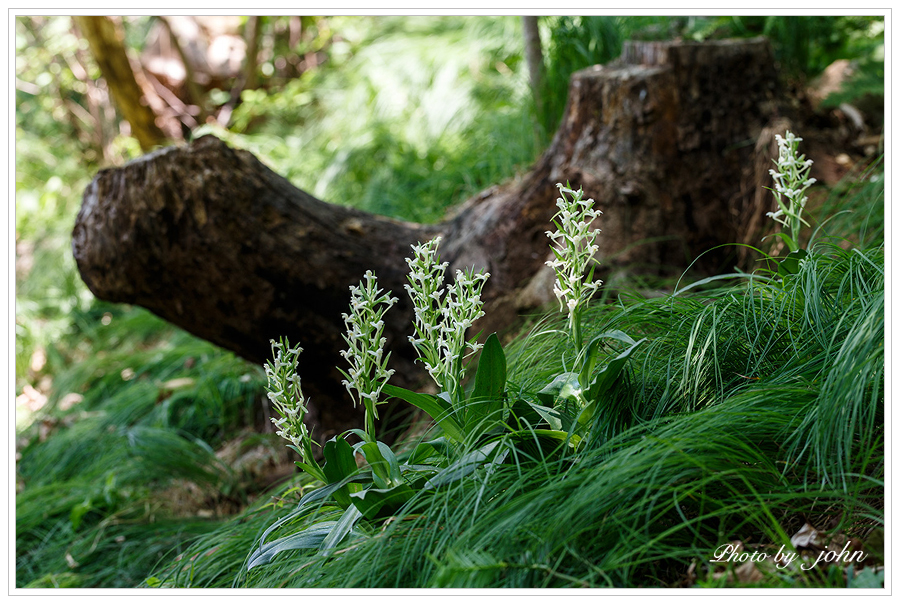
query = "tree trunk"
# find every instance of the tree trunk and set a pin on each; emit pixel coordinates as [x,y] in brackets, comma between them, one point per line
[535,60]
[210,239]
[108,49]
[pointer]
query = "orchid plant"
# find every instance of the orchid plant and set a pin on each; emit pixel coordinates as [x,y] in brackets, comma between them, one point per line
[286,395]
[574,262]
[791,182]
[368,371]
[443,316]
[791,178]
[574,255]
[480,425]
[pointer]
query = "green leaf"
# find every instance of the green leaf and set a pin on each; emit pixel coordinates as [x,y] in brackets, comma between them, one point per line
[311,501]
[312,468]
[342,528]
[463,467]
[868,578]
[340,463]
[790,265]
[310,538]
[432,448]
[78,512]
[565,385]
[339,458]
[604,381]
[524,413]
[588,356]
[385,467]
[486,400]
[314,471]
[785,237]
[378,503]
[437,408]
[555,418]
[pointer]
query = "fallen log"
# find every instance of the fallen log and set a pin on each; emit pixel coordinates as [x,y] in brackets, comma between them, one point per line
[209,238]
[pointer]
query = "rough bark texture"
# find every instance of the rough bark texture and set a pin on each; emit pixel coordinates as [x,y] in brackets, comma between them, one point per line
[210,239]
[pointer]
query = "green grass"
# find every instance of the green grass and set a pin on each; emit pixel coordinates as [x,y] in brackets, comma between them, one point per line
[754,407]
[152,406]
[788,382]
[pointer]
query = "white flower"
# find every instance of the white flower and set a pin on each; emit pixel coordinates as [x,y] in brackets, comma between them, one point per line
[442,317]
[576,241]
[368,371]
[791,180]
[283,390]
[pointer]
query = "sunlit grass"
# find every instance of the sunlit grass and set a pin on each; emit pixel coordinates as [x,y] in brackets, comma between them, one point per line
[754,408]
[395,136]
[787,382]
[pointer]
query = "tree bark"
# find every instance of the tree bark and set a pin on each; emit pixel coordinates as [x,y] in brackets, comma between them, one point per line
[108,49]
[210,239]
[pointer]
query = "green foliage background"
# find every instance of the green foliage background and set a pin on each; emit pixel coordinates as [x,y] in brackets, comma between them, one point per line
[408,117]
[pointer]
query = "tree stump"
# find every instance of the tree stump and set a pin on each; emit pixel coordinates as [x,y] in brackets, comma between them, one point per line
[208,238]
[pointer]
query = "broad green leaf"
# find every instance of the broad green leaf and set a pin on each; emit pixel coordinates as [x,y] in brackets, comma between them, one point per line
[340,463]
[432,448]
[555,418]
[378,503]
[342,528]
[393,464]
[604,380]
[791,263]
[868,578]
[490,378]
[380,469]
[360,433]
[486,400]
[525,413]
[588,357]
[339,458]
[565,385]
[310,538]
[385,467]
[463,467]
[437,408]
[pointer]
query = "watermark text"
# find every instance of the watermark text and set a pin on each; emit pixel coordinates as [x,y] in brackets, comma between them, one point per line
[731,552]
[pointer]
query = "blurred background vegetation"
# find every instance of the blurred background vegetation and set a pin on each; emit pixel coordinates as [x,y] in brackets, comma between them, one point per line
[402,116]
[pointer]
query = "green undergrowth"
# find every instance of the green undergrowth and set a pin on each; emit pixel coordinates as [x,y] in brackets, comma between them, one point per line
[409,116]
[753,407]
[120,429]
[747,410]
